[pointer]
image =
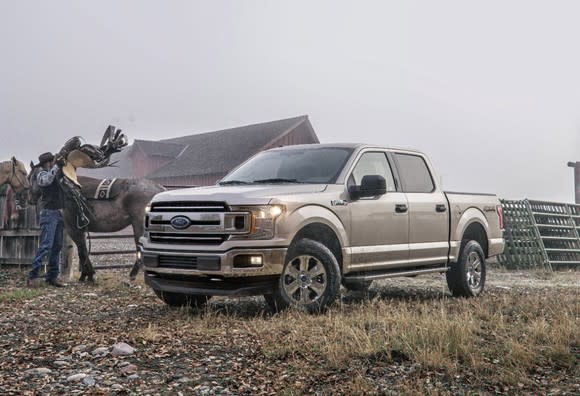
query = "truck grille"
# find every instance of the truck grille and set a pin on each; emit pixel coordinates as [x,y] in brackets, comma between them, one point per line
[177,238]
[203,263]
[194,222]
[188,206]
[178,262]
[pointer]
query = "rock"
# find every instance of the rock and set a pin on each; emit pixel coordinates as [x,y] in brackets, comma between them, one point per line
[184,379]
[39,371]
[90,295]
[89,381]
[76,377]
[60,363]
[79,348]
[133,377]
[129,369]
[122,349]
[100,351]
[116,387]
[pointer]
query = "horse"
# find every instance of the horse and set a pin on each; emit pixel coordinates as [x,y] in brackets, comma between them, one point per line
[125,206]
[13,172]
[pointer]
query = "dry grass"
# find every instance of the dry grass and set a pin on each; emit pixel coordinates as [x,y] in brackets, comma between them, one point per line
[18,295]
[406,337]
[514,332]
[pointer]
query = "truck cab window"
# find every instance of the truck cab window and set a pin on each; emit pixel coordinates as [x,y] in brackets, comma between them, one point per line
[373,163]
[415,175]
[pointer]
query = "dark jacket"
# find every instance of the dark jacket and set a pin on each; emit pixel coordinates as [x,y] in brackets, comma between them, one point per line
[52,196]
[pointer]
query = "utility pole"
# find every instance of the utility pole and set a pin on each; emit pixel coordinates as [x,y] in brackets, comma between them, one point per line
[576,166]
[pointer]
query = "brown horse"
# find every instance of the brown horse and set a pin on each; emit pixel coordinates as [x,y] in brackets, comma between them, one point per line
[125,207]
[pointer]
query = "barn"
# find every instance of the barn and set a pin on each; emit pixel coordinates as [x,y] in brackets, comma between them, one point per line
[204,158]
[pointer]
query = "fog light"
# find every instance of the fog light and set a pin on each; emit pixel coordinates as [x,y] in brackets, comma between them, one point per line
[248,261]
[139,255]
[256,260]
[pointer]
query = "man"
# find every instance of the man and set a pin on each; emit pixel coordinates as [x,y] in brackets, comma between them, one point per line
[51,222]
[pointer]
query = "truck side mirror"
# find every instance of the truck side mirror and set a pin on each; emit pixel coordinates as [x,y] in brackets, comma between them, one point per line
[371,186]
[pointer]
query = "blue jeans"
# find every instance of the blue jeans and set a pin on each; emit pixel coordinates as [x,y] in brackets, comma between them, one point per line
[51,239]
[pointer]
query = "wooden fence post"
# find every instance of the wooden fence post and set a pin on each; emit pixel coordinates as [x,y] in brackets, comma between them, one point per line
[67,258]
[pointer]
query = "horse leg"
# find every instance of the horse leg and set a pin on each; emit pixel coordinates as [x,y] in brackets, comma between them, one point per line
[86,267]
[137,233]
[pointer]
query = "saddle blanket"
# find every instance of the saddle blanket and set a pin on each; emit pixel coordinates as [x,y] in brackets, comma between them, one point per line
[104,189]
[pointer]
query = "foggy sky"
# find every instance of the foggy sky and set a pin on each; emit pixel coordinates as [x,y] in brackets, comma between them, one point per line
[490,90]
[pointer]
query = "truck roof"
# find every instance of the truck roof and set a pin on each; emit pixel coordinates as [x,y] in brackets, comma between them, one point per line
[355,146]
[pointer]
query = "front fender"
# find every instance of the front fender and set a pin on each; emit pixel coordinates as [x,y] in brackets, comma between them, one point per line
[311,214]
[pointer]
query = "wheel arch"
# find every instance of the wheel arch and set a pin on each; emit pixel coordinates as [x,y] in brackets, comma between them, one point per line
[476,232]
[323,233]
[472,225]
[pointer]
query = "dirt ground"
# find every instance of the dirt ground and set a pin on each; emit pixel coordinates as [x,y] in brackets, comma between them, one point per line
[406,336]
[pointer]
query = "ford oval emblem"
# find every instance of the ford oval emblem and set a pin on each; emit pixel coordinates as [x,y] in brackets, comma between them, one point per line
[180,222]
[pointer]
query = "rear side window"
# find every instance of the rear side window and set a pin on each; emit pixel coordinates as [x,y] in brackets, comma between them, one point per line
[414,173]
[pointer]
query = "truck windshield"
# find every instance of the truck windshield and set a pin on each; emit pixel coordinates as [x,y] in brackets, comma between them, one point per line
[311,165]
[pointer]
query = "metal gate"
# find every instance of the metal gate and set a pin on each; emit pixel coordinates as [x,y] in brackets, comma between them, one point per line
[541,234]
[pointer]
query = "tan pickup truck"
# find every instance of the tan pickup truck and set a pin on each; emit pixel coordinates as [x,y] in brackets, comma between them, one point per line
[294,223]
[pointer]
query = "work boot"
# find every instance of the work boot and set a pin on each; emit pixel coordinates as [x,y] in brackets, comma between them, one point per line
[55,283]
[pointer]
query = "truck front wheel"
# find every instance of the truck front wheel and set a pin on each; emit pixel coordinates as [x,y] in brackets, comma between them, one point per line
[466,277]
[182,300]
[310,280]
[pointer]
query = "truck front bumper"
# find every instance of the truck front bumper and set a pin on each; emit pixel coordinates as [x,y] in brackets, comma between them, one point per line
[229,273]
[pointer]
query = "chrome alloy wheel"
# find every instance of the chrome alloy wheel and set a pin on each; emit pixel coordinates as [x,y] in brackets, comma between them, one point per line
[473,271]
[304,279]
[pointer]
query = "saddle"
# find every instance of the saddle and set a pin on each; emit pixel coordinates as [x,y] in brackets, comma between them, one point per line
[89,156]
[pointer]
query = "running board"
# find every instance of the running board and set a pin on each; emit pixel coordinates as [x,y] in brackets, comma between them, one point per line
[395,274]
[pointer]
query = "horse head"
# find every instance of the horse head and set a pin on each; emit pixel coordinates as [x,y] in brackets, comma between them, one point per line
[14,173]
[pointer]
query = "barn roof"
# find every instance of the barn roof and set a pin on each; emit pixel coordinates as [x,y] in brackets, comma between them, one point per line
[159,149]
[220,151]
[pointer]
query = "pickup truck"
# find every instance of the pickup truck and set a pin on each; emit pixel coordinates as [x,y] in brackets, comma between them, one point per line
[297,222]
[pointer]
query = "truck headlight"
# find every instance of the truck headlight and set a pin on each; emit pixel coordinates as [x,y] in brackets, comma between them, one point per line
[263,220]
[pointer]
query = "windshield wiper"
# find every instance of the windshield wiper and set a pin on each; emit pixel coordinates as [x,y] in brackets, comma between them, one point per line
[224,183]
[277,180]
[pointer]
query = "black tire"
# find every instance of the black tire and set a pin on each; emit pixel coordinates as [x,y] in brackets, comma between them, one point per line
[183,300]
[466,277]
[310,280]
[356,285]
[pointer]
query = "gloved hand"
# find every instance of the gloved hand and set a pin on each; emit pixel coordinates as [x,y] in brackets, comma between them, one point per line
[59,160]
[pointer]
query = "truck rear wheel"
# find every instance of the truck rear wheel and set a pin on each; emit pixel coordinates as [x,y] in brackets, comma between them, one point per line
[183,300]
[466,277]
[310,280]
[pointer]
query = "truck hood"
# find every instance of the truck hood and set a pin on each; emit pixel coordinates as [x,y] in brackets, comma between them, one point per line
[254,194]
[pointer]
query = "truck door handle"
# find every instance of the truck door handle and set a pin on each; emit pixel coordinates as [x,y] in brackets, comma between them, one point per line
[440,208]
[401,208]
